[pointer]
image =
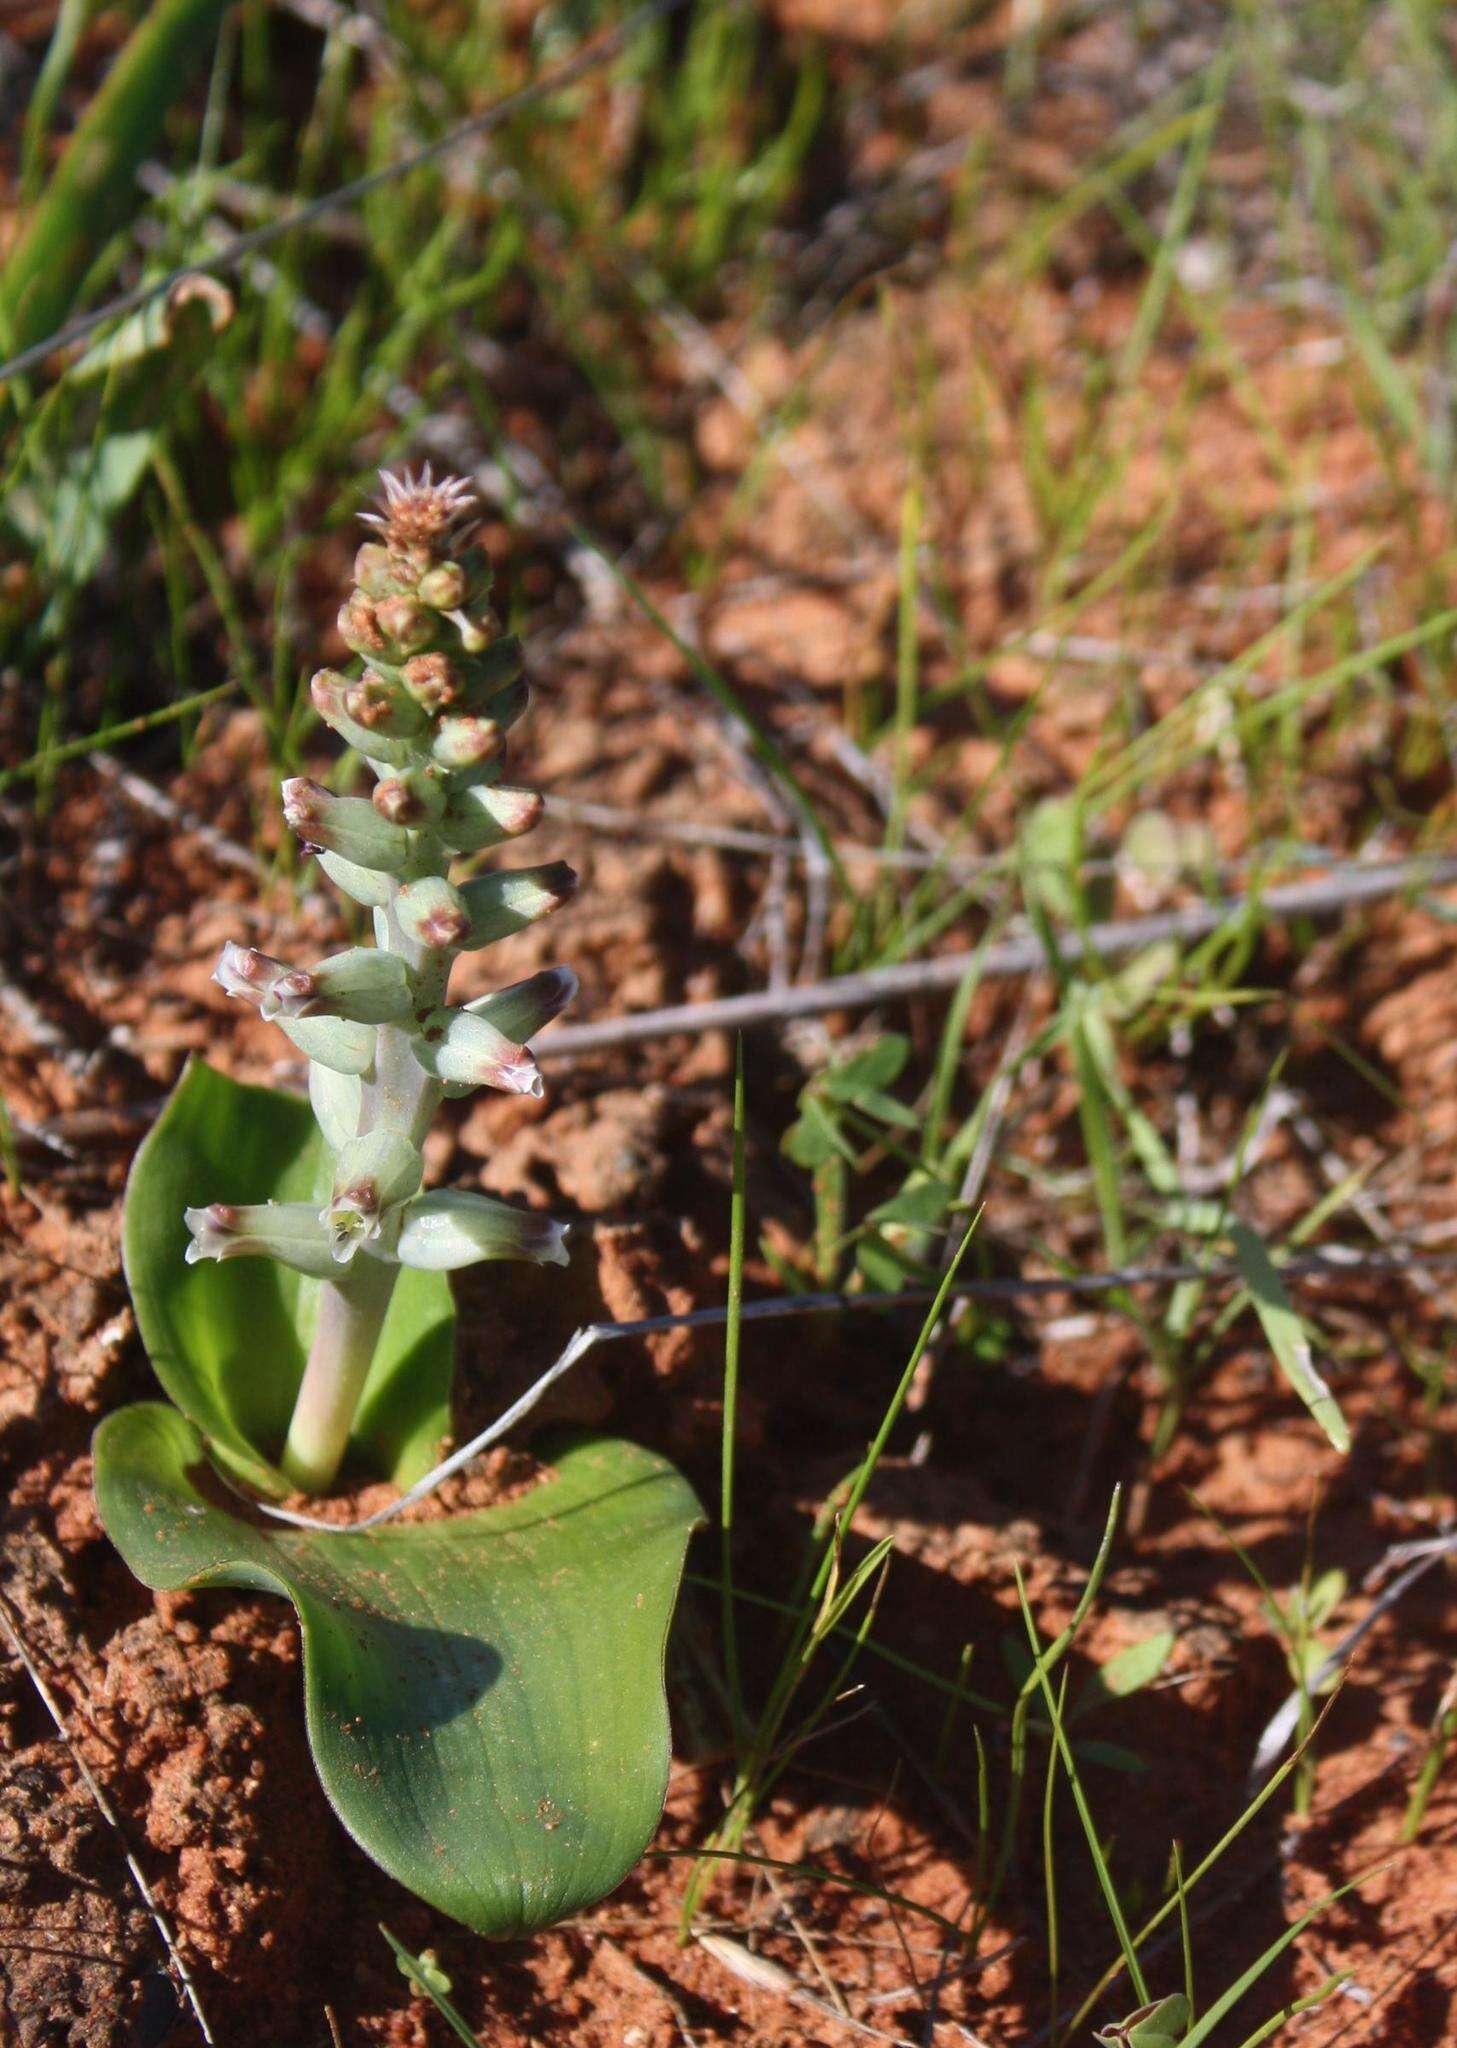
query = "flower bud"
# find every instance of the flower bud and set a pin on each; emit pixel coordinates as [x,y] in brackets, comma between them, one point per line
[405,622]
[374,717]
[363,984]
[442,1231]
[432,681]
[444,588]
[463,743]
[382,706]
[456,1047]
[501,904]
[432,912]
[409,799]
[347,825]
[375,570]
[359,627]
[486,814]
[521,1010]
[290,1232]
[244,971]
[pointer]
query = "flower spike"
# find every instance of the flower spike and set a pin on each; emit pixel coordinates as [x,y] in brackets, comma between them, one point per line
[428,708]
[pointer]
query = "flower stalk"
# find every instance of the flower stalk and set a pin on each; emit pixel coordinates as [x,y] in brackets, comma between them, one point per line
[440,686]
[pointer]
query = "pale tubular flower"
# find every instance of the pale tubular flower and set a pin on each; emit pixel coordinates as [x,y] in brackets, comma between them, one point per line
[373,1175]
[522,1009]
[361,984]
[502,903]
[346,825]
[466,1051]
[290,1232]
[451,1228]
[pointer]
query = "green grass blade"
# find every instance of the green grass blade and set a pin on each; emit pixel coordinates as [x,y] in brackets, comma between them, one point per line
[728,1443]
[1286,1334]
[94,187]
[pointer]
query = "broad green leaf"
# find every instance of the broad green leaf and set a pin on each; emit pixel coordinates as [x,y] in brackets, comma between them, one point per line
[1285,1332]
[484,1694]
[228,1339]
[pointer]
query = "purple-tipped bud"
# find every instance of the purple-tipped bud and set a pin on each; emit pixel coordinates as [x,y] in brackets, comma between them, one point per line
[444,587]
[406,622]
[520,1011]
[432,681]
[278,989]
[244,971]
[503,903]
[382,706]
[376,717]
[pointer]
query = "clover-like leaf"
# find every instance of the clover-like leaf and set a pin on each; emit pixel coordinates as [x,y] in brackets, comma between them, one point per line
[228,1340]
[484,1693]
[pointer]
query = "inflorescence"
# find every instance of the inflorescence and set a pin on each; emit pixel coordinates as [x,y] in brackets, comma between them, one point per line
[440,687]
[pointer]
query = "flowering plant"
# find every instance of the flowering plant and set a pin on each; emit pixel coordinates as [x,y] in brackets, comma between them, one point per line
[440,688]
[484,1690]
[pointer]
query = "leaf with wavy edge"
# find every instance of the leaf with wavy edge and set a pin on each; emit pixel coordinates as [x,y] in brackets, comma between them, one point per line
[484,1693]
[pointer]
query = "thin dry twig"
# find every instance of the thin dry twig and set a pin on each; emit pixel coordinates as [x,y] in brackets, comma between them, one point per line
[1023,954]
[108,1813]
[1333,1262]
[146,796]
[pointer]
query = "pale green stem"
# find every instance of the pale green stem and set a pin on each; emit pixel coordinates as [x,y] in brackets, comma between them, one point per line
[351,1315]
[400,1097]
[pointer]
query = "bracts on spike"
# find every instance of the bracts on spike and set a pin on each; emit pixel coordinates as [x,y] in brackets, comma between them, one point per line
[438,689]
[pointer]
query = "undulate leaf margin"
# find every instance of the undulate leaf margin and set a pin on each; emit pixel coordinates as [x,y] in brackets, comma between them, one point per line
[484,1693]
